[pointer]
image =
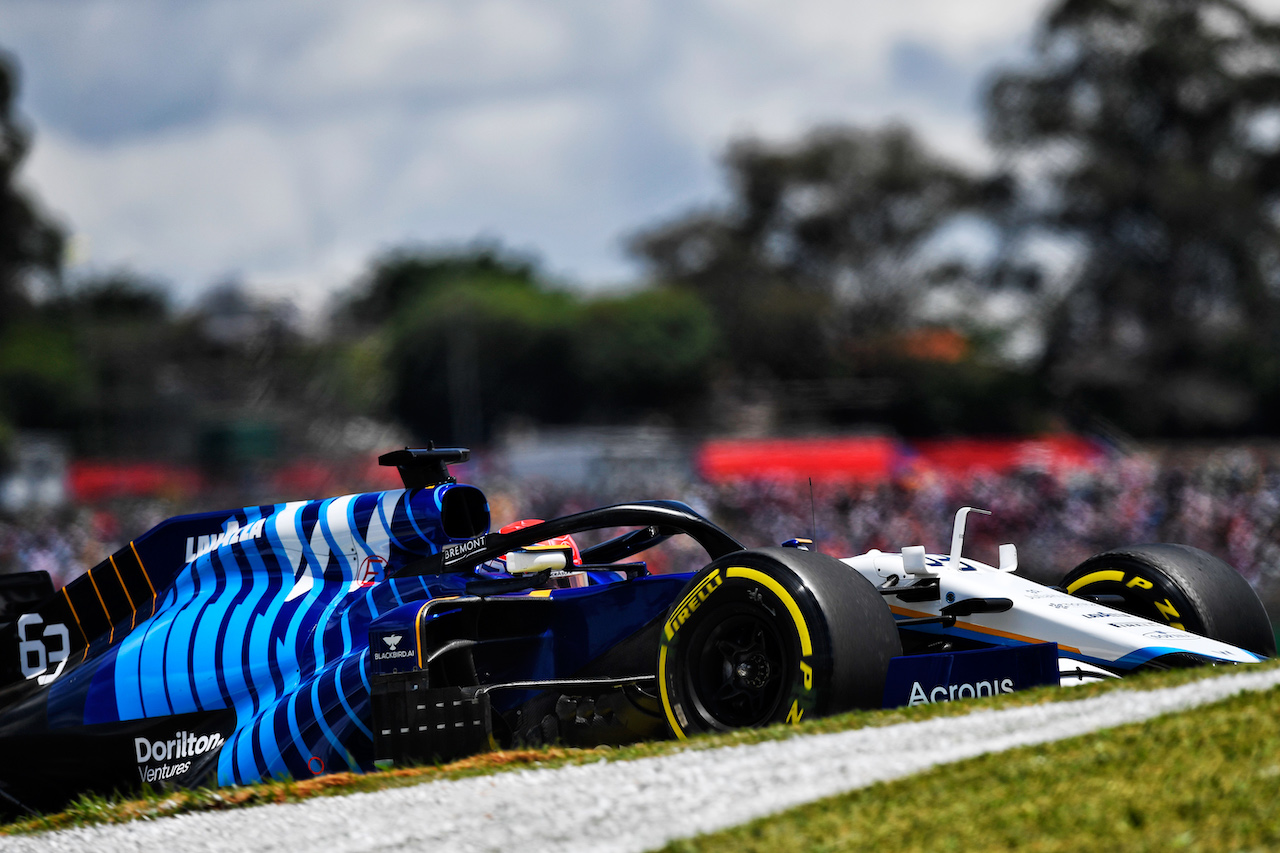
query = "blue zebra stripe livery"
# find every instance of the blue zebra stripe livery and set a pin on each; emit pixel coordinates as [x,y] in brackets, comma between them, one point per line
[265,615]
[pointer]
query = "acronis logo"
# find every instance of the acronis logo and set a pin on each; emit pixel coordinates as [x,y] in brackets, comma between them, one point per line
[952,692]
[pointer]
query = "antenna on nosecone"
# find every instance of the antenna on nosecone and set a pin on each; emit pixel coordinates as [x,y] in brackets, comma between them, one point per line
[813,516]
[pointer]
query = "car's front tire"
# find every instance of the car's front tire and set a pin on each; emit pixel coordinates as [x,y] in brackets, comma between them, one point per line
[773,635]
[1180,586]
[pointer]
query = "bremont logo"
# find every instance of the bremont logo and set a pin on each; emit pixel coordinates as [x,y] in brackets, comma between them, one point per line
[461,549]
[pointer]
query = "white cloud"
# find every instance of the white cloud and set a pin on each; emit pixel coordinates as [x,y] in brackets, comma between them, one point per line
[289,140]
[404,49]
[778,69]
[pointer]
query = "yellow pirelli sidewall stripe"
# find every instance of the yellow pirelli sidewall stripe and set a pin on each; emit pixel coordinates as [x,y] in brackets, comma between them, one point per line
[1096,577]
[679,614]
[702,584]
[806,644]
[1167,611]
[662,690]
[690,602]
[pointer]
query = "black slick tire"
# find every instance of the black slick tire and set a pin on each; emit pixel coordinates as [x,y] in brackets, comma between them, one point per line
[1180,586]
[773,635]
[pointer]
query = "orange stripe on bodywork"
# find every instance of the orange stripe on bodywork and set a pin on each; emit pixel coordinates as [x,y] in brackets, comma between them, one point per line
[79,627]
[981,629]
[144,568]
[111,636]
[417,629]
[417,623]
[133,608]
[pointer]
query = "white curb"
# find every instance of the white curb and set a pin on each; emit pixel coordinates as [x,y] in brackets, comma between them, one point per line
[637,805]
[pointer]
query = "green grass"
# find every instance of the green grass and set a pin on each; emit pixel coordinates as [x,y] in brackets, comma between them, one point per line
[97,809]
[1201,780]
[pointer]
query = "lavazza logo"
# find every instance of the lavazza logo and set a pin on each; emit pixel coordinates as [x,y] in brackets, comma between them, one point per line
[199,546]
[180,750]
[393,640]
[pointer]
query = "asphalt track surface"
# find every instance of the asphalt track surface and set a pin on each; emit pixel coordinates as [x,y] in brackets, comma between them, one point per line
[634,805]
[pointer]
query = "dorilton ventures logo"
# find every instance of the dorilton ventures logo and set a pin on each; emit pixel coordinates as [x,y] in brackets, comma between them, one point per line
[180,749]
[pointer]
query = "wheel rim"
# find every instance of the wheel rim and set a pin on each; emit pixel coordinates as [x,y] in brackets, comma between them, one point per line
[739,672]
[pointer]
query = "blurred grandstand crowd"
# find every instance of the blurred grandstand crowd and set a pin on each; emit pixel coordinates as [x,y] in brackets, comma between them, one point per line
[1225,501]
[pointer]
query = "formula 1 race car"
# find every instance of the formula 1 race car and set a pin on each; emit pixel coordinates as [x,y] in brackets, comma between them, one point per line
[393,627]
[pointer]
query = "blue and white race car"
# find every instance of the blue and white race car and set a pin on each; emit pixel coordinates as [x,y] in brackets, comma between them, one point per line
[393,627]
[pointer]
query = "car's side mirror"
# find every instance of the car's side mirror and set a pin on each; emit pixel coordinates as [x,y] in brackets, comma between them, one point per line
[913,560]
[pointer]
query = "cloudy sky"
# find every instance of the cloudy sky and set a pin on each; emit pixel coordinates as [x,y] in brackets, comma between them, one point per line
[285,142]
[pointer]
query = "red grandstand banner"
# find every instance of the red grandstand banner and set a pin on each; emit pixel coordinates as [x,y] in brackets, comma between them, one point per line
[305,477]
[1056,453]
[853,458]
[869,458]
[91,481]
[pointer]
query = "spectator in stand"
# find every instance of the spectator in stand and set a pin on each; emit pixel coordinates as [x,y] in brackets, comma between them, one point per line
[1226,502]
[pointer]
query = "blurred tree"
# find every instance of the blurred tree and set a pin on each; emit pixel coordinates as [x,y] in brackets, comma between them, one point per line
[405,274]
[30,244]
[474,338]
[39,372]
[470,353]
[395,342]
[127,343]
[820,246]
[1149,136]
[116,296]
[42,377]
[644,352]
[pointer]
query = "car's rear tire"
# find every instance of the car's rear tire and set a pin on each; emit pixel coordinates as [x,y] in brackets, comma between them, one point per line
[1179,586]
[772,635]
